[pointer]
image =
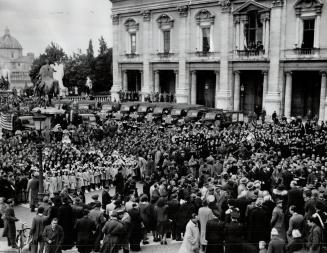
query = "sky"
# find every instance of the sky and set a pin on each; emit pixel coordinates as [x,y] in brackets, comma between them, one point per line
[69,23]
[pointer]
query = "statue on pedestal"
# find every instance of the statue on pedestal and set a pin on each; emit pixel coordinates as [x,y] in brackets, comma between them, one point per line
[46,86]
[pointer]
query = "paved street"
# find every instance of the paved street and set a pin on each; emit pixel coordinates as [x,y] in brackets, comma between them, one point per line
[25,216]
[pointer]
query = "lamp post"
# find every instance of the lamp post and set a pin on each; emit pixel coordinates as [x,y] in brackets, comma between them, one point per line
[242,94]
[39,123]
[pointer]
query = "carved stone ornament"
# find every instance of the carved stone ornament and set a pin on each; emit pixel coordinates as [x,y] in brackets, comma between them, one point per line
[277,3]
[164,21]
[204,16]
[146,15]
[225,5]
[308,5]
[131,24]
[183,10]
[115,19]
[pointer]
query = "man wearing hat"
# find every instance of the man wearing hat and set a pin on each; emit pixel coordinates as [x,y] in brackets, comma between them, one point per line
[111,241]
[33,189]
[215,235]
[95,200]
[97,216]
[234,233]
[276,244]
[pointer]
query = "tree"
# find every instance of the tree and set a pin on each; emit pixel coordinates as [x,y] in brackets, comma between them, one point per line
[53,53]
[103,48]
[103,68]
[90,51]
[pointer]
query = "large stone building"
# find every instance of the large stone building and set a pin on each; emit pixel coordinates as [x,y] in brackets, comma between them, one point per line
[229,54]
[13,64]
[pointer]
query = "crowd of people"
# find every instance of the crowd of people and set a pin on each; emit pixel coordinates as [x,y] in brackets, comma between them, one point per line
[125,96]
[245,188]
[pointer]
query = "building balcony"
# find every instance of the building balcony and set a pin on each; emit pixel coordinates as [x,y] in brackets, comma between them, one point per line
[250,54]
[204,55]
[132,56]
[165,55]
[306,51]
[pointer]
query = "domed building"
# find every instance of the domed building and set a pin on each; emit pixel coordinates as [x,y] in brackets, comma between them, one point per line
[13,64]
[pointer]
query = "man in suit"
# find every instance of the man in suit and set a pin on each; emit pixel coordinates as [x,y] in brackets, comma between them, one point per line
[106,198]
[215,235]
[85,228]
[33,189]
[295,197]
[38,224]
[53,236]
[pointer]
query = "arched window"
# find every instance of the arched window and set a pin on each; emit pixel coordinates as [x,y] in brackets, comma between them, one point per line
[205,21]
[165,23]
[131,36]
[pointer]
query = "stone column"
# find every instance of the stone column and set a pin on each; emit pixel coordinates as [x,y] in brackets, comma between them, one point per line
[297,31]
[142,84]
[226,26]
[125,80]
[264,88]
[264,33]
[237,35]
[182,92]
[237,85]
[217,88]
[212,43]
[273,98]
[267,36]
[242,38]
[116,74]
[322,109]
[288,94]
[156,81]
[148,85]
[193,88]
[317,32]
[176,79]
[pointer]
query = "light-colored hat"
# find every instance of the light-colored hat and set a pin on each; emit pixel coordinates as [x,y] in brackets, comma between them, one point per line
[274,231]
[296,233]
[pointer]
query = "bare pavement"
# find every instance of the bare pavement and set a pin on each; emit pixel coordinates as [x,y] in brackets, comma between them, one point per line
[25,216]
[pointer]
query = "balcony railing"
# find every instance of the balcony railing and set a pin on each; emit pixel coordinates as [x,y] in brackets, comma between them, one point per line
[204,53]
[132,55]
[250,52]
[165,55]
[306,51]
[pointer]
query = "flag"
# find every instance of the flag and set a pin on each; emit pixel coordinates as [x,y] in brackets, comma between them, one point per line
[6,121]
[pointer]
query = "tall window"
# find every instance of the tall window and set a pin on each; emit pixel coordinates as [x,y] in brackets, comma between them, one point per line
[253,30]
[166,38]
[206,39]
[133,43]
[308,33]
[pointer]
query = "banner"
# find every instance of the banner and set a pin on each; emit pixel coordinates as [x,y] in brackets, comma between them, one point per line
[6,121]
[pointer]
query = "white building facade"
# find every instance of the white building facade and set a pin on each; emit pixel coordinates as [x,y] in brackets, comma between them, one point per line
[230,54]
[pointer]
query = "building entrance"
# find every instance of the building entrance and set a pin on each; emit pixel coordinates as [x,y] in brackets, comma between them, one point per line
[305,93]
[206,88]
[167,81]
[251,91]
[133,80]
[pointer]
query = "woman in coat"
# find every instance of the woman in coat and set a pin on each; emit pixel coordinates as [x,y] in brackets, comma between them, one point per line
[113,230]
[135,228]
[205,214]
[191,241]
[315,235]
